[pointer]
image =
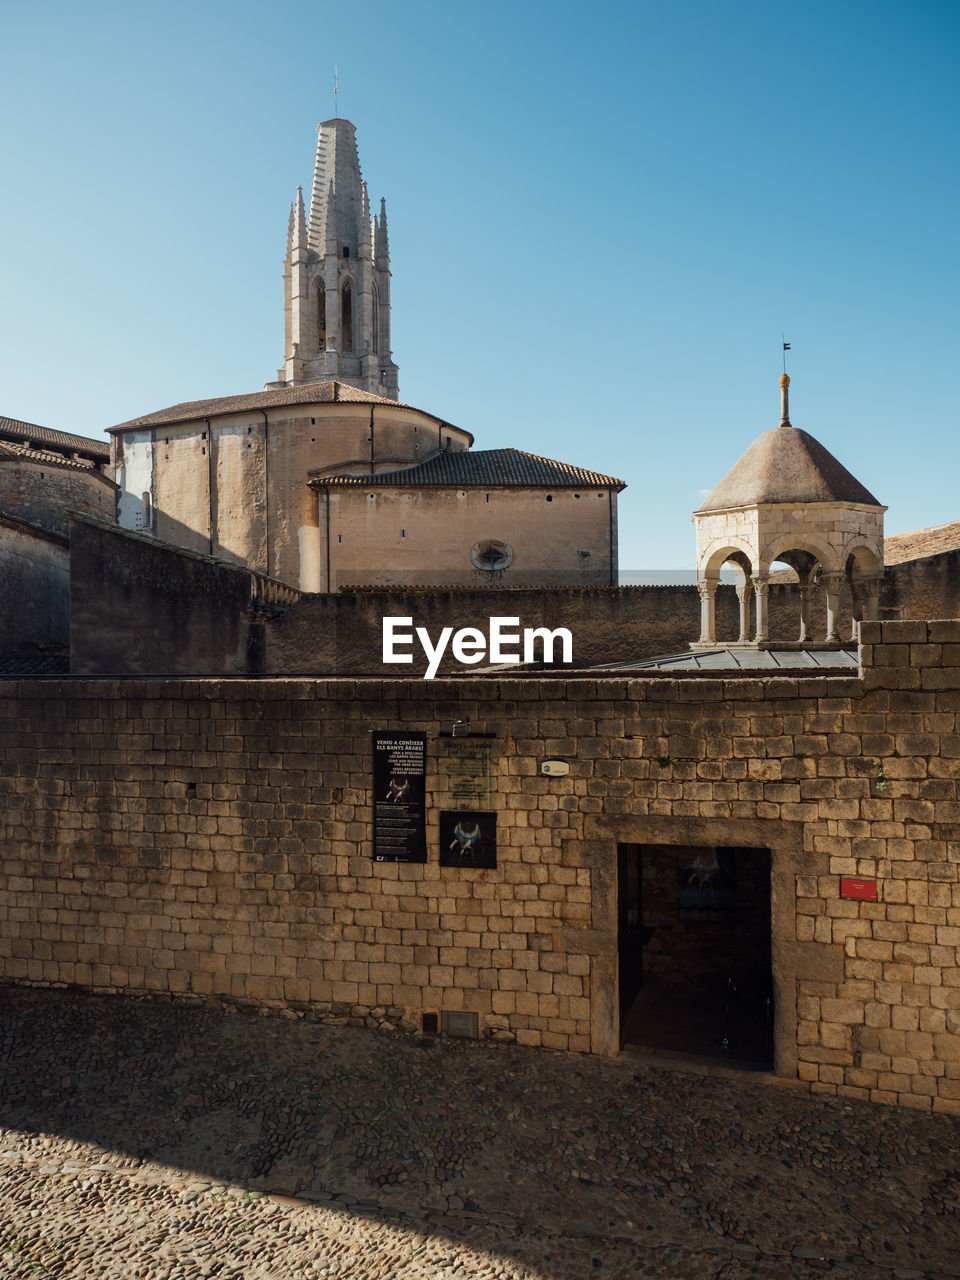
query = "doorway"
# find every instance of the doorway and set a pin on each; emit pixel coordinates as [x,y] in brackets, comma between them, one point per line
[694,951]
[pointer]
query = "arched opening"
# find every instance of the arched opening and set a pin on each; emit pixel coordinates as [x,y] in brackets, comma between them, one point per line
[863,573]
[321,316]
[346,316]
[376,319]
[808,567]
[733,565]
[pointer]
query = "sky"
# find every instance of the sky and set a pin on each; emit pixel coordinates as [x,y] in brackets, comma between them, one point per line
[604,220]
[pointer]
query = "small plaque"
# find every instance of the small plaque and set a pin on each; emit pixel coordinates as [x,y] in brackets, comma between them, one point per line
[863,889]
[554,768]
[466,774]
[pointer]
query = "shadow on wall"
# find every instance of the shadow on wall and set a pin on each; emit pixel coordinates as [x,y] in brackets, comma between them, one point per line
[142,607]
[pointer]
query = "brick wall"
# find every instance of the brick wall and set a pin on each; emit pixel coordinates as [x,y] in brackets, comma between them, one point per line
[213,837]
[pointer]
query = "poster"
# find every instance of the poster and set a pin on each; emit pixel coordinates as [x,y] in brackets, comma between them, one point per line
[468,838]
[399,796]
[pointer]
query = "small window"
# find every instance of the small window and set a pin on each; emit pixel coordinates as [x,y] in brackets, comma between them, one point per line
[403,533]
[491,555]
[346,251]
[549,497]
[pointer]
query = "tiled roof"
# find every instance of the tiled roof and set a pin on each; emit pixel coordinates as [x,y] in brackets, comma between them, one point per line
[494,467]
[12,449]
[12,429]
[786,465]
[328,392]
[920,543]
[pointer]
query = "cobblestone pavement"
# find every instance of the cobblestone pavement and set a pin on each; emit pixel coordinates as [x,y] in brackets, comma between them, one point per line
[157,1141]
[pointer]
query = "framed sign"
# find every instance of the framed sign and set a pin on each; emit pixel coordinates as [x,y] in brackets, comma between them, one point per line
[468,838]
[399,796]
[466,774]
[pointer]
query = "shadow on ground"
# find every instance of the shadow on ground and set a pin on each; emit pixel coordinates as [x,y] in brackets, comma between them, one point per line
[542,1155]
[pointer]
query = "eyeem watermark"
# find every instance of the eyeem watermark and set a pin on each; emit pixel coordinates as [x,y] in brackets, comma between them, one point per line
[504,643]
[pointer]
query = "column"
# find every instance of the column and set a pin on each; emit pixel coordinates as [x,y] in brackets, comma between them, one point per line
[708,610]
[806,598]
[743,595]
[871,610]
[833,583]
[761,589]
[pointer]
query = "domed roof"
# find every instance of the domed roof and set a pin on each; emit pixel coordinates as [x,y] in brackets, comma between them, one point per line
[786,465]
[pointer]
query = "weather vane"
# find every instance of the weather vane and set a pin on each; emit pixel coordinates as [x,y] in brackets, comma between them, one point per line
[336,91]
[786,348]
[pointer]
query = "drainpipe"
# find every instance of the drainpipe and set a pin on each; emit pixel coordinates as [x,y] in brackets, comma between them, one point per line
[210,478]
[326,513]
[266,490]
[610,536]
[372,437]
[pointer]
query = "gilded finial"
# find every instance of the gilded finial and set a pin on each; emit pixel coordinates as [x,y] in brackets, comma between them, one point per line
[784,401]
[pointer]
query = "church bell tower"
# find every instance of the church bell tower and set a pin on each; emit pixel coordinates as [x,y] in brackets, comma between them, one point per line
[336,276]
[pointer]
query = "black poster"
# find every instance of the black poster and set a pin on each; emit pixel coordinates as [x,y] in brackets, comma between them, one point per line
[399,797]
[468,839]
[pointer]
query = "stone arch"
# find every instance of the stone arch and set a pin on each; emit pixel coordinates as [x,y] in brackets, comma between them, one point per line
[376,318]
[802,554]
[716,555]
[712,560]
[860,559]
[863,571]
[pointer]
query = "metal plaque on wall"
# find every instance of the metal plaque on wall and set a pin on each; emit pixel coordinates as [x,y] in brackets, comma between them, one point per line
[399,796]
[466,774]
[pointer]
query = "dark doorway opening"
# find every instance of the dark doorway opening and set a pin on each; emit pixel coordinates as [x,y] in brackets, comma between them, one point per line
[694,952]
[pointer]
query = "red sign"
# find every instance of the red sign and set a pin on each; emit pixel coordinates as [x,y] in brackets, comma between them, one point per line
[866,889]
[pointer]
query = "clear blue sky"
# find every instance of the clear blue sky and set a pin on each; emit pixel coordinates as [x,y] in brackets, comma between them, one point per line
[601,216]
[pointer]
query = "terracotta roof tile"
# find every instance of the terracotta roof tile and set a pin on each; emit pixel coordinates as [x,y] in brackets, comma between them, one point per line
[13,430]
[326,392]
[920,543]
[497,468]
[10,450]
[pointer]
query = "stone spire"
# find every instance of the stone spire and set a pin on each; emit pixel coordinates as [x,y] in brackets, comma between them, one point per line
[298,227]
[337,276]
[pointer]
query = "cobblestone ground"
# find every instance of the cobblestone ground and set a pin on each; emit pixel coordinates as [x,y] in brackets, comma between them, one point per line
[157,1141]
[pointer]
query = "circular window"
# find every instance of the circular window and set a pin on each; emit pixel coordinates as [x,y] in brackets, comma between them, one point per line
[491,555]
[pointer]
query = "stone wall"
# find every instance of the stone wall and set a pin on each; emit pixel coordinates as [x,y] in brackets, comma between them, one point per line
[214,837]
[139,607]
[35,585]
[928,587]
[41,493]
[422,536]
[143,607]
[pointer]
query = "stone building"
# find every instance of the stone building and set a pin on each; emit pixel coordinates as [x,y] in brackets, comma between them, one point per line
[271,480]
[43,474]
[336,276]
[789,500]
[649,842]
